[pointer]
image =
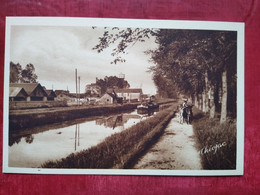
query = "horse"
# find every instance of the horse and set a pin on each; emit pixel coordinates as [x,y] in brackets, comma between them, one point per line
[187,114]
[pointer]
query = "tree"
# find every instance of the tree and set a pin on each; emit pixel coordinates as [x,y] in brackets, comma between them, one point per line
[225,47]
[124,38]
[165,88]
[198,63]
[177,57]
[15,72]
[28,74]
[111,82]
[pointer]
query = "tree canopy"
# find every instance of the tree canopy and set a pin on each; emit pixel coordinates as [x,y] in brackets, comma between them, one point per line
[26,75]
[111,82]
[197,63]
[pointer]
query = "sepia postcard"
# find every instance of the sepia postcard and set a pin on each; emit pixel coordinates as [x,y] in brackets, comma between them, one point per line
[123,97]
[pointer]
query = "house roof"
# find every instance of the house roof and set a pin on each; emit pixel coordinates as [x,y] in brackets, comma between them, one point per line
[58,92]
[110,94]
[50,92]
[28,87]
[15,91]
[137,90]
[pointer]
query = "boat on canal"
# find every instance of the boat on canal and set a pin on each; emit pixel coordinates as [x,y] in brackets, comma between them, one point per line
[147,107]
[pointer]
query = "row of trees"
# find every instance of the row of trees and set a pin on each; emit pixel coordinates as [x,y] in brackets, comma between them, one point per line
[198,63]
[20,75]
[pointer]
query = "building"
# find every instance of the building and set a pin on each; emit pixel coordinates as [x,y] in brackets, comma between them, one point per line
[34,91]
[130,94]
[122,76]
[51,94]
[107,98]
[17,94]
[62,95]
[65,92]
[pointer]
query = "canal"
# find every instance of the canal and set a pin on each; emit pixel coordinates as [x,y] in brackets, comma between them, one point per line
[32,147]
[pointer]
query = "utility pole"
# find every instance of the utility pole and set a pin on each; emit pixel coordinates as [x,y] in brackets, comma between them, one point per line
[78,134]
[76,76]
[79,90]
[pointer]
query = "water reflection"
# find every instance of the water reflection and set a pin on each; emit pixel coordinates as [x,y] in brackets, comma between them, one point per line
[76,136]
[32,147]
[117,121]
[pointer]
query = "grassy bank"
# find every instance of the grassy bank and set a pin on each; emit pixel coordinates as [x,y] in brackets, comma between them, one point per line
[217,141]
[120,150]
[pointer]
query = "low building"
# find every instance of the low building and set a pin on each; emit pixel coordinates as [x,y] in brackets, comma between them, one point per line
[107,98]
[17,94]
[62,95]
[34,90]
[51,94]
[130,94]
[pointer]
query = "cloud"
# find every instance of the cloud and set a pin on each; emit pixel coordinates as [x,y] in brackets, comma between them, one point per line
[57,51]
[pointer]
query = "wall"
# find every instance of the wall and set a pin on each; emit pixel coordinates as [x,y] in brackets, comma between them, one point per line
[35,104]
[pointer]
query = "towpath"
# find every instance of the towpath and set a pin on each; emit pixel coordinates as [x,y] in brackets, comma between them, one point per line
[175,150]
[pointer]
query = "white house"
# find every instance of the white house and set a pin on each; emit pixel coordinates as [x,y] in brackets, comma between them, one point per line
[130,94]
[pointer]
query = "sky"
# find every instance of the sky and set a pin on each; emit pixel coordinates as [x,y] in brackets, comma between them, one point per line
[56,51]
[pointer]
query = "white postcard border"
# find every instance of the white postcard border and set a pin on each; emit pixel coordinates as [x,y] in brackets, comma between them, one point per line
[174,24]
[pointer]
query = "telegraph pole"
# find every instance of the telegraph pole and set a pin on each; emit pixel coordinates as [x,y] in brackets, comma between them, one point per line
[76,76]
[79,90]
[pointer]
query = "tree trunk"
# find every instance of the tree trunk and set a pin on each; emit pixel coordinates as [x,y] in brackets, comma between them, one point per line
[206,92]
[212,102]
[200,102]
[223,116]
[203,101]
[196,103]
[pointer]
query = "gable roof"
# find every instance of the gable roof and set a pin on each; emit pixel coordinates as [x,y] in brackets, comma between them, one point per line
[28,87]
[50,93]
[109,94]
[17,92]
[58,92]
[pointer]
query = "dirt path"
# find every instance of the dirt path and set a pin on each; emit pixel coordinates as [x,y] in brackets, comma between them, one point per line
[175,150]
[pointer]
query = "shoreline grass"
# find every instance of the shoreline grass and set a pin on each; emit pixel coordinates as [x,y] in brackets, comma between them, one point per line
[119,150]
[217,141]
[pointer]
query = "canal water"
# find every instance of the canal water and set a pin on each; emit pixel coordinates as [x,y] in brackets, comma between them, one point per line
[32,147]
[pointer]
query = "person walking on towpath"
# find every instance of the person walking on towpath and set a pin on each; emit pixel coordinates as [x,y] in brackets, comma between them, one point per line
[175,150]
